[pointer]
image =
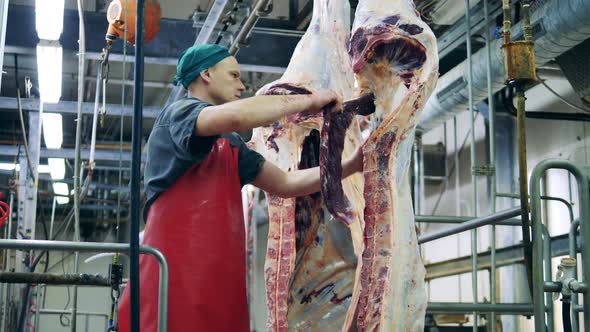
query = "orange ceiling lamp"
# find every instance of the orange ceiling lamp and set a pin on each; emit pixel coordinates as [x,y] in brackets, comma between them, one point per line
[121,15]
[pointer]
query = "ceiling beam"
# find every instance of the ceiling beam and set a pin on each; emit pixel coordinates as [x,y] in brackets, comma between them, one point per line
[246,67]
[100,154]
[71,107]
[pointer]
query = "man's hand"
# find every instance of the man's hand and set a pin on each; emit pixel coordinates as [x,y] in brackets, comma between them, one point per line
[325,98]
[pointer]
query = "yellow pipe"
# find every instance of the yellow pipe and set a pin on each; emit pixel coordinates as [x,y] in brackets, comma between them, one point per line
[507,23]
[523,179]
[526,11]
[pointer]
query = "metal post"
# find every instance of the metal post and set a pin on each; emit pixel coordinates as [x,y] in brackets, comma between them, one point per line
[105,247]
[584,197]
[492,135]
[574,254]
[3,20]
[473,160]
[136,168]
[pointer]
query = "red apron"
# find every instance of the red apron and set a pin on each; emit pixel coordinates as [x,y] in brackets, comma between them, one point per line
[198,225]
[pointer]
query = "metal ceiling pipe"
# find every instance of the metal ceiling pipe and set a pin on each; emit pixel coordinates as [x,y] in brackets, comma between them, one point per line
[262,8]
[3,20]
[558,26]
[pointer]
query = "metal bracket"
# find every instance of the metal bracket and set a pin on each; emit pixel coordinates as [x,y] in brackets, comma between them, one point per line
[484,170]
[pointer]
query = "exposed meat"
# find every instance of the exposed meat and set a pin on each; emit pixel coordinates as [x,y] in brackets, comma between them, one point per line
[311,258]
[333,135]
[394,56]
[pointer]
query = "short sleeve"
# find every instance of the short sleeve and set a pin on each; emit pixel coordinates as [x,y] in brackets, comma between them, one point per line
[183,126]
[250,162]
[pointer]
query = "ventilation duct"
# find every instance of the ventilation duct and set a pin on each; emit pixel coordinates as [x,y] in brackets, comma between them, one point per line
[575,64]
[557,27]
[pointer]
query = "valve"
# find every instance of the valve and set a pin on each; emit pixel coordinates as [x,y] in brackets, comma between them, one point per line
[121,15]
[566,275]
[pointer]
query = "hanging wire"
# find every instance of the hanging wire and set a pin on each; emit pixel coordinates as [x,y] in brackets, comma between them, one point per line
[574,106]
[22,125]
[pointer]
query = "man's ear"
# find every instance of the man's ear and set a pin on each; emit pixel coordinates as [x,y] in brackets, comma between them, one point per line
[205,76]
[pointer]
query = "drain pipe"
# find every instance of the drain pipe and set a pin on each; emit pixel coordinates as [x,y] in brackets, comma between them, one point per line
[520,73]
[81,55]
[555,33]
[262,8]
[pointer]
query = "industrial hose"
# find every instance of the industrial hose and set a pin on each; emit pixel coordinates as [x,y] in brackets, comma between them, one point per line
[565,314]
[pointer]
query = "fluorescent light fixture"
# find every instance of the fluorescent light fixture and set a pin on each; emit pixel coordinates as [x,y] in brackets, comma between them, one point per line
[11,167]
[49,18]
[60,188]
[52,130]
[44,169]
[49,65]
[57,168]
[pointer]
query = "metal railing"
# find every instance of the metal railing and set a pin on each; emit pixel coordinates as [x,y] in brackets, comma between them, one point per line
[105,247]
[539,278]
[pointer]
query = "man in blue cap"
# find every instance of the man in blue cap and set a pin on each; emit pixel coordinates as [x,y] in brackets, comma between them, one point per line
[196,166]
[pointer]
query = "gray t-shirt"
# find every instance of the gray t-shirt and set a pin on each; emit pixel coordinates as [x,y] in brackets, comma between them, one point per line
[173,147]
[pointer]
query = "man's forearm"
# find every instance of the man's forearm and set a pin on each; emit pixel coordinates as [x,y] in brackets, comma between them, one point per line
[303,182]
[260,111]
[307,181]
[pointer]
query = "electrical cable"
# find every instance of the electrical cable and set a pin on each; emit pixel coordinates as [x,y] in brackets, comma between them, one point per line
[63,316]
[565,315]
[24,132]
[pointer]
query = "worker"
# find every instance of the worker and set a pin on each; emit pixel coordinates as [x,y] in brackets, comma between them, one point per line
[196,165]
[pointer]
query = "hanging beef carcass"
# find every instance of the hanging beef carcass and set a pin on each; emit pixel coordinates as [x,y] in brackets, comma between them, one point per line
[311,259]
[394,57]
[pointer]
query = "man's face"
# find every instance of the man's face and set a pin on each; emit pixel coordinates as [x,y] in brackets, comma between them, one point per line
[225,84]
